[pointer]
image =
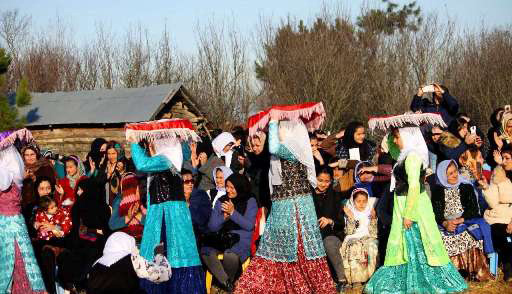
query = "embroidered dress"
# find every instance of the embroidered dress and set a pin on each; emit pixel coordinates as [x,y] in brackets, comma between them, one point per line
[19,272]
[416,260]
[168,220]
[291,256]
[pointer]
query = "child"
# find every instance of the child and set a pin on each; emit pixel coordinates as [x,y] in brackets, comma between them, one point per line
[51,221]
[359,250]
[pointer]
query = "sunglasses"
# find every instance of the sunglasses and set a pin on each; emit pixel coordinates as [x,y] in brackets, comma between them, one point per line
[187,182]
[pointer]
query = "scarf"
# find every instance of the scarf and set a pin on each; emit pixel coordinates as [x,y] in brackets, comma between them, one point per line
[362,217]
[129,192]
[507,116]
[442,178]
[296,140]
[118,245]
[219,143]
[12,168]
[242,187]
[170,149]
[349,143]
[413,142]
[80,171]
[221,191]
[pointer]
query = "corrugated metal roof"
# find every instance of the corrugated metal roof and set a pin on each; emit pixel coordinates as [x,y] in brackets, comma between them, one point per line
[98,106]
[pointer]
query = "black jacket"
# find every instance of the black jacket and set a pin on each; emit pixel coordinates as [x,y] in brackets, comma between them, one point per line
[467,199]
[328,205]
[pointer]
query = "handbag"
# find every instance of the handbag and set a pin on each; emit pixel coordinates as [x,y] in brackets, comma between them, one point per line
[220,240]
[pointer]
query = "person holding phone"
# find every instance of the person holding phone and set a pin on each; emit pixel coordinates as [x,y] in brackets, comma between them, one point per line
[442,102]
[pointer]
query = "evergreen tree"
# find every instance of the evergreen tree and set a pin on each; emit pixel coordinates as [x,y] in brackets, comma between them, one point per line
[9,118]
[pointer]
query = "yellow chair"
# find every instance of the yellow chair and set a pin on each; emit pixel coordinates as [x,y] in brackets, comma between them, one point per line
[209,276]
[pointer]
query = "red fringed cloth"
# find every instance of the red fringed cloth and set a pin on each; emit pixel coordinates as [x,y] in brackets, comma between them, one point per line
[177,128]
[311,113]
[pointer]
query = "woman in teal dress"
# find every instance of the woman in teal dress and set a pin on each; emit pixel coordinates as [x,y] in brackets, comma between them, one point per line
[168,218]
[416,260]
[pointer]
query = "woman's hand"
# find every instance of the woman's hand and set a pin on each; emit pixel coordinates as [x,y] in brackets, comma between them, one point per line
[483,183]
[450,225]
[48,227]
[324,221]
[373,214]
[274,115]
[348,212]
[407,223]
[509,228]
[318,156]
[203,158]
[368,169]
[59,189]
[497,157]
[228,207]
[420,92]
[92,165]
[470,139]
[58,233]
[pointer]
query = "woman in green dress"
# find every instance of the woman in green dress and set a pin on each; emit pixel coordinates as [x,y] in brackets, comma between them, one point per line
[416,260]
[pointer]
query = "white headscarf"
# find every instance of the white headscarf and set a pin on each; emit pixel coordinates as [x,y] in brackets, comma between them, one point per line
[220,142]
[296,140]
[363,217]
[12,168]
[118,245]
[171,149]
[413,141]
[220,191]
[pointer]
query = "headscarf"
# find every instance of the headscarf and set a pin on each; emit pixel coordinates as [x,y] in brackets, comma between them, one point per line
[118,245]
[359,184]
[220,142]
[80,171]
[504,120]
[226,171]
[349,142]
[413,142]
[12,168]
[243,188]
[442,178]
[363,217]
[40,160]
[297,142]
[171,149]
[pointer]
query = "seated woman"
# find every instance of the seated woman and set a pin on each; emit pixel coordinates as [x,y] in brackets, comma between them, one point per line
[233,215]
[471,167]
[220,174]
[199,205]
[121,266]
[456,211]
[499,213]
[331,222]
[65,188]
[360,247]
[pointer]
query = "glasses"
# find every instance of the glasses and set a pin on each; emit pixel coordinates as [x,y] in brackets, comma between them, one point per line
[188,182]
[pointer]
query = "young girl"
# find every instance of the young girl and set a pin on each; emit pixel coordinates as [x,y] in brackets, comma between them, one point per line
[51,221]
[360,247]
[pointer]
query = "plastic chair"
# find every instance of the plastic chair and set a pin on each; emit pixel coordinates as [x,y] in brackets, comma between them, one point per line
[493,263]
[209,277]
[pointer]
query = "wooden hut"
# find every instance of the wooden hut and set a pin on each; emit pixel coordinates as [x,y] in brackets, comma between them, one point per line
[67,122]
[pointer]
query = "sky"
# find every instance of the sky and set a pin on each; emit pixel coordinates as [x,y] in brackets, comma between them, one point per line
[182,17]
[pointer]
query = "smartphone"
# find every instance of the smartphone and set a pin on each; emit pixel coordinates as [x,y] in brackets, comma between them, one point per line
[428,89]
[473,130]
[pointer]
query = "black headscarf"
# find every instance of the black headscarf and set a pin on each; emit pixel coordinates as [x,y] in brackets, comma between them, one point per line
[349,142]
[96,154]
[243,188]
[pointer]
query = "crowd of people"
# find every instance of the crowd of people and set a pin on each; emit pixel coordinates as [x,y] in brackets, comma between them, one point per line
[278,207]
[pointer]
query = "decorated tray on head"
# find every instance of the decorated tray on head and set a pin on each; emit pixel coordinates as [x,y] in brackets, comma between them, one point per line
[176,128]
[7,138]
[311,113]
[404,120]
